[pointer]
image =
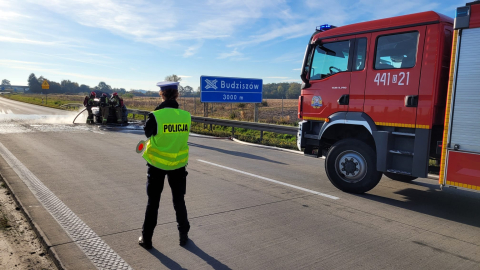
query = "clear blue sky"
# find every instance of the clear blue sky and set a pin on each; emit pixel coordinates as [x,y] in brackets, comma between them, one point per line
[133,44]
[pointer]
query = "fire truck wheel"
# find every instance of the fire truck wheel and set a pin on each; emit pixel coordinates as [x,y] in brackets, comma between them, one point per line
[400,177]
[351,166]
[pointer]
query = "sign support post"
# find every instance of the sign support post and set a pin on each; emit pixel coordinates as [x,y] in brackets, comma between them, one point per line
[45,86]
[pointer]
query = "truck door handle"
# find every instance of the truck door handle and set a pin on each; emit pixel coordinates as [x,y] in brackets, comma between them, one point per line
[344,100]
[411,101]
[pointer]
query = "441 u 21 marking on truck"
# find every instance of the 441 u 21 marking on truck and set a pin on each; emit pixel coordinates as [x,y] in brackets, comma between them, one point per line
[403,78]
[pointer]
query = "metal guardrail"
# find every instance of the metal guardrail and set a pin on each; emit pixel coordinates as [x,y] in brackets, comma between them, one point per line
[234,124]
[139,112]
[219,122]
[248,125]
[74,105]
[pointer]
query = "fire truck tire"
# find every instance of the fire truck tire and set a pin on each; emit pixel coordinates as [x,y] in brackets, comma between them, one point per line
[400,177]
[351,166]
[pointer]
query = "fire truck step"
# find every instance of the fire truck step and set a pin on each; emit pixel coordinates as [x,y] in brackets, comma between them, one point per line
[399,172]
[311,136]
[400,152]
[309,151]
[403,134]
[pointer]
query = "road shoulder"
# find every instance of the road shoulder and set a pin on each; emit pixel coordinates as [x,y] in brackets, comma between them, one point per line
[20,246]
[50,234]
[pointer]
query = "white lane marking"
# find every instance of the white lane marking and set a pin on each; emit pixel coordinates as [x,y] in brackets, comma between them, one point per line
[101,255]
[9,111]
[271,180]
[3,112]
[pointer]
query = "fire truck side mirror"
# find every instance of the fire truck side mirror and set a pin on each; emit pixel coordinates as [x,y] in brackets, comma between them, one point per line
[306,65]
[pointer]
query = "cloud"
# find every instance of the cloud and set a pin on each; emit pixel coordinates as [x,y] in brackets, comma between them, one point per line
[10,15]
[8,61]
[27,41]
[288,32]
[338,13]
[36,67]
[184,76]
[154,22]
[297,69]
[375,9]
[192,49]
[189,52]
[85,61]
[96,55]
[232,54]
[136,18]
[24,65]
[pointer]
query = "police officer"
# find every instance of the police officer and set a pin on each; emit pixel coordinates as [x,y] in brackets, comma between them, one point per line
[115,102]
[89,102]
[104,108]
[166,153]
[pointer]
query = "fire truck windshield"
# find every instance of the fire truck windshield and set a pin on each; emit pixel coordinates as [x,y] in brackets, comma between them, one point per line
[329,58]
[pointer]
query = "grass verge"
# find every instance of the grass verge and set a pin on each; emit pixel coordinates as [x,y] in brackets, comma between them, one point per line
[247,135]
[52,102]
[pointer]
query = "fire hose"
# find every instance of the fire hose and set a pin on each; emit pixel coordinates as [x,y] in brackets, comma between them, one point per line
[78,115]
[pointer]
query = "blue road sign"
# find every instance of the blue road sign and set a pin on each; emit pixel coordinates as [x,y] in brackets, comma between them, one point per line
[3,88]
[230,90]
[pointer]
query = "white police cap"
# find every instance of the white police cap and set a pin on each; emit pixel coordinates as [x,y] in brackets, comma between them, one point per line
[168,85]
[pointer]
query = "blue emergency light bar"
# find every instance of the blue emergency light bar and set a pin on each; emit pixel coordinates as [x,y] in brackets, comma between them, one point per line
[325,27]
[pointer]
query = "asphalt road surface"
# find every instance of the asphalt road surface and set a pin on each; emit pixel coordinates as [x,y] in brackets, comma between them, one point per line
[249,207]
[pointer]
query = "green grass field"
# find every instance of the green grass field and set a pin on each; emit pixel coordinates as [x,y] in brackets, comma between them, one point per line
[52,101]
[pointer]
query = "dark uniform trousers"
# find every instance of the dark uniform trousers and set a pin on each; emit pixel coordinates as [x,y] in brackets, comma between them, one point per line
[177,179]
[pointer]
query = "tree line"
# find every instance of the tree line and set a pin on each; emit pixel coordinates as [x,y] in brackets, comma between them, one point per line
[270,90]
[68,87]
[281,90]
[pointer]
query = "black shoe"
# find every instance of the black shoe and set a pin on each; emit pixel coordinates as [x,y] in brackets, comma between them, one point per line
[183,239]
[144,244]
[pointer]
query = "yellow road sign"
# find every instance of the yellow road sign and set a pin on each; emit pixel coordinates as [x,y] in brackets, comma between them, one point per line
[45,85]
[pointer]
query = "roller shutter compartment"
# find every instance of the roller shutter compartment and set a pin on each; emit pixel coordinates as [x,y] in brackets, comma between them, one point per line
[465,132]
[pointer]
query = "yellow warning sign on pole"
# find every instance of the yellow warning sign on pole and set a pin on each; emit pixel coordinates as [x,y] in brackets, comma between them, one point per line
[45,85]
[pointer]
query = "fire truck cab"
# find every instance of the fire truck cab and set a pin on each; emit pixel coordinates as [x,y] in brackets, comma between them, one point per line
[373,98]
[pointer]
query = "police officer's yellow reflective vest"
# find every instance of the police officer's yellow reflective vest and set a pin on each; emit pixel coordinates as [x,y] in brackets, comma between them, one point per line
[168,150]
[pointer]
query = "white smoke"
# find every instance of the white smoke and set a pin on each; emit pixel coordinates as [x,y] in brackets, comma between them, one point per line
[66,118]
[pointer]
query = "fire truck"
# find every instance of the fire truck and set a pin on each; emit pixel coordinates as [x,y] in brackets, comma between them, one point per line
[391,96]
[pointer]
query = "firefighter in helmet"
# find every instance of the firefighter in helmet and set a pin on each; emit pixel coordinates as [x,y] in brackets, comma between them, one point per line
[166,153]
[104,108]
[89,102]
[117,105]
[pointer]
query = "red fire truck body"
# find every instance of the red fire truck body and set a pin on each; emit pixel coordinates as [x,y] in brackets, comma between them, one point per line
[374,99]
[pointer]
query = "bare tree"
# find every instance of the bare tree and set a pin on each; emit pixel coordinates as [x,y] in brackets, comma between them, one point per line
[173,78]
[5,82]
[186,91]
